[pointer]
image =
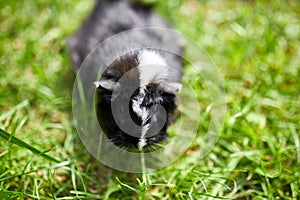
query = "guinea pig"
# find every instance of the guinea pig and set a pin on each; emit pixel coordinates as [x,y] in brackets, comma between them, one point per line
[153,73]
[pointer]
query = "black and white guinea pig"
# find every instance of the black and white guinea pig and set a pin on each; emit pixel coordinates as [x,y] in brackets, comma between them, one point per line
[156,72]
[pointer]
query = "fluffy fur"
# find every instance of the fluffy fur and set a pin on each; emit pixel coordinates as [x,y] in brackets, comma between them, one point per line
[156,84]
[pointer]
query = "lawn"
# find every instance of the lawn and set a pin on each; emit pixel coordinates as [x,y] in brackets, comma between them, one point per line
[256,48]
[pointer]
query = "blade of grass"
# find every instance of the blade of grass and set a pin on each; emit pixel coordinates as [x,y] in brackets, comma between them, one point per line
[20,143]
[8,114]
[127,186]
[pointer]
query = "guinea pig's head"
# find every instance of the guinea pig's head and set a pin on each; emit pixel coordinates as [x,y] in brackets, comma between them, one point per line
[135,100]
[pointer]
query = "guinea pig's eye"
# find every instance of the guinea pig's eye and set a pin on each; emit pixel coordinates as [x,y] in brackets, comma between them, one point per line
[159,92]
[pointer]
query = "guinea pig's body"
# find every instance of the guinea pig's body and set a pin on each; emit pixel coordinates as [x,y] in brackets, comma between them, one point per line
[154,73]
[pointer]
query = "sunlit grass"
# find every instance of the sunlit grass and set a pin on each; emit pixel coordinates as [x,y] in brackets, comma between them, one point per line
[255,45]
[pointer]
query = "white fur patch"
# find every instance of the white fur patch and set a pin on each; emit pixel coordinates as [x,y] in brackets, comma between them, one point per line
[143,113]
[143,141]
[152,67]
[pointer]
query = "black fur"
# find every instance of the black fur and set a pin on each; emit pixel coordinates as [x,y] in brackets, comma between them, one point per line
[111,17]
[153,92]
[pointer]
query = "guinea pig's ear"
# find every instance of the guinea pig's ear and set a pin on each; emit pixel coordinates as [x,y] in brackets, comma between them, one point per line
[172,87]
[107,84]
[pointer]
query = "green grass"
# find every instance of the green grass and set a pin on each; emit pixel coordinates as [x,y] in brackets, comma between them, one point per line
[256,46]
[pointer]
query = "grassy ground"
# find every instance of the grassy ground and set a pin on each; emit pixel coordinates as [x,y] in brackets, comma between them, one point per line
[256,46]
